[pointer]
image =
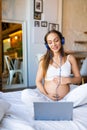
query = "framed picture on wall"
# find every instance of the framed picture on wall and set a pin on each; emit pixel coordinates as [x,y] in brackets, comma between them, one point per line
[53,26]
[37,16]
[38,6]
[43,23]
[36,23]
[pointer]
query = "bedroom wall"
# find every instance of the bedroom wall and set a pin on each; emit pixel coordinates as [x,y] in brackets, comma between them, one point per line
[51,14]
[75,24]
[23,10]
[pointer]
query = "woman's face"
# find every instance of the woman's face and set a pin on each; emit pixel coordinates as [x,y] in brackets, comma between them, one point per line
[54,42]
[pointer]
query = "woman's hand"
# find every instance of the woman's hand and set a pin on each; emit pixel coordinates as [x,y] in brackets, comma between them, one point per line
[65,80]
[53,97]
[56,80]
[61,80]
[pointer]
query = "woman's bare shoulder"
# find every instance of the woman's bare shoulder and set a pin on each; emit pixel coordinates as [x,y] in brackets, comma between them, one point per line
[41,62]
[70,57]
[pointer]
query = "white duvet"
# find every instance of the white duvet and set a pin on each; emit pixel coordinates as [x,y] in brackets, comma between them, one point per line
[21,117]
[14,124]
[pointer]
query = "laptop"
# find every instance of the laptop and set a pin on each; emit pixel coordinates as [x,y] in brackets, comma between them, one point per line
[53,110]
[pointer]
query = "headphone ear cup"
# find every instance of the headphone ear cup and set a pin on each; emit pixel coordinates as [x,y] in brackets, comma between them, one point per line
[47,46]
[63,40]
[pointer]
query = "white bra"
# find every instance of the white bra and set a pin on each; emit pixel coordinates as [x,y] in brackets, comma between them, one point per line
[53,71]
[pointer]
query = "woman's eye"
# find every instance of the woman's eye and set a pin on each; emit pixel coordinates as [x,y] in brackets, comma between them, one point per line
[56,40]
[49,43]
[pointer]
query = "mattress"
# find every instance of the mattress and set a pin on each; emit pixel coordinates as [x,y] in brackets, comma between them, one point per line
[19,116]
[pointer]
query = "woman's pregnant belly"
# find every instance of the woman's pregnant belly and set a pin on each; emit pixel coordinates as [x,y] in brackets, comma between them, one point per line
[52,88]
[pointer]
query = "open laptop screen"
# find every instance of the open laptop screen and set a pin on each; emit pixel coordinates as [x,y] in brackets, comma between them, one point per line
[53,110]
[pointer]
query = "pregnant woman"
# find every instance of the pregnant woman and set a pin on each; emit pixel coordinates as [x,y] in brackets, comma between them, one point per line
[53,77]
[54,72]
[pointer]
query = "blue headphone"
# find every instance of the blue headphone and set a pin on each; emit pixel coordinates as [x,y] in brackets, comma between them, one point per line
[62,42]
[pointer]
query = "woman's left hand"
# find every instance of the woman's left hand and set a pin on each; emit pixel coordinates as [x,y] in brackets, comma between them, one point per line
[61,80]
[64,80]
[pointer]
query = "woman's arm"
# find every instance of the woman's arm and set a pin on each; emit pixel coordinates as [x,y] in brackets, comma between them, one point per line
[39,78]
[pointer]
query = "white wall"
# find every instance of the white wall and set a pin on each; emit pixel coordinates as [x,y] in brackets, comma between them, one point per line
[75,24]
[23,10]
[50,14]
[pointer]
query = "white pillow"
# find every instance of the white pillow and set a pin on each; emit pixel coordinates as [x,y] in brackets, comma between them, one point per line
[4,106]
[78,95]
[83,70]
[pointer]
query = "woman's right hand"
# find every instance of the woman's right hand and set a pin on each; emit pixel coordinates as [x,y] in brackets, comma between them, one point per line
[56,80]
[52,97]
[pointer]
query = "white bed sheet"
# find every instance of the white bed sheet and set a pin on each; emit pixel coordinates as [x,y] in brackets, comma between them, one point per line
[21,117]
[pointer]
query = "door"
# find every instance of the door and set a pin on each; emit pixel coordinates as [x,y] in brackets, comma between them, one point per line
[0,47]
[14,46]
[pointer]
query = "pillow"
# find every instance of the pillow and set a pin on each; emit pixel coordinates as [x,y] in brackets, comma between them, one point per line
[83,70]
[78,95]
[4,106]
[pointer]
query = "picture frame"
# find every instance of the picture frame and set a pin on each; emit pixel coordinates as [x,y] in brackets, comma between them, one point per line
[37,16]
[36,23]
[43,23]
[38,6]
[53,26]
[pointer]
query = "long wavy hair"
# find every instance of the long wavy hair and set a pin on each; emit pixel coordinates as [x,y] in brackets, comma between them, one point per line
[47,58]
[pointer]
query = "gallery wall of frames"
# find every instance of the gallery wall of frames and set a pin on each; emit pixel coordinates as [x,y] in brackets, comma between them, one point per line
[38,10]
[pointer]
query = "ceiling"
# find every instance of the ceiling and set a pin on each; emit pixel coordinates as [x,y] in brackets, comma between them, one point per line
[8,28]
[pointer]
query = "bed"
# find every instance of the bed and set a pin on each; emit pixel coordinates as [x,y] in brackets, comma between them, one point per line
[20,116]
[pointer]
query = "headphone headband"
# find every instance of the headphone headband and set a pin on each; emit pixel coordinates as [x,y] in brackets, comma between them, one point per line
[62,40]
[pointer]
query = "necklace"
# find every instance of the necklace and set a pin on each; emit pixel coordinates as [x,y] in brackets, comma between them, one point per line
[59,82]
